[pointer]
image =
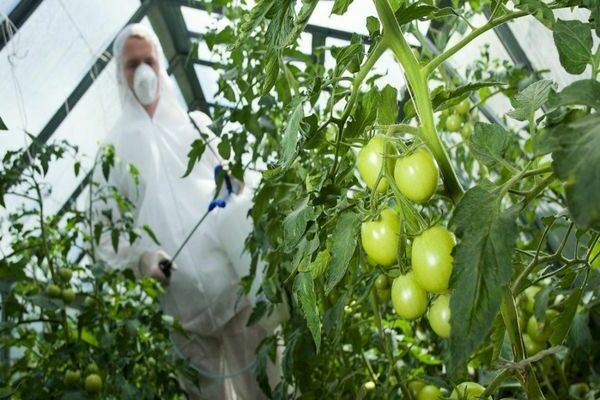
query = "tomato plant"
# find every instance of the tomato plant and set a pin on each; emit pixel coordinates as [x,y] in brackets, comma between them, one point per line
[509,234]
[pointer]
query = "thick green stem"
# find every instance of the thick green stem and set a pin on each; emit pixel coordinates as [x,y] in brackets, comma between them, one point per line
[417,80]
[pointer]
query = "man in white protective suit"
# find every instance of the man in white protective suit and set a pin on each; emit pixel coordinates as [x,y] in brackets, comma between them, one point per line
[155,134]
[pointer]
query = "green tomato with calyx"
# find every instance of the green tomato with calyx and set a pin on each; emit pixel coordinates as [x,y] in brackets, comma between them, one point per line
[416,175]
[380,237]
[468,391]
[439,316]
[432,259]
[463,107]
[541,331]
[408,298]
[53,291]
[371,160]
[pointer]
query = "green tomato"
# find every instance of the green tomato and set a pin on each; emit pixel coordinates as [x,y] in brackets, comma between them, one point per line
[53,291]
[380,238]
[453,123]
[383,294]
[89,301]
[532,347]
[541,331]
[416,175]
[92,369]
[370,161]
[467,130]
[578,390]
[430,392]
[595,255]
[439,316]
[468,391]
[72,378]
[93,383]
[463,107]
[68,295]
[415,387]
[408,298]
[432,259]
[65,274]
[369,386]
[382,282]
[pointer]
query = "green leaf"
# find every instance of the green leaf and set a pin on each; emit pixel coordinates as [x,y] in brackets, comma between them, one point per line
[224,147]
[150,233]
[89,337]
[194,155]
[3,126]
[291,135]
[489,143]
[574,42]
[294,224]
[114,238]
[341,6]
[304,289]
[482,267]
[575,163]
[348,56]
[271,72]
[317,267]
[585,92]
[562,323]
[406,14]
[387,113]
[539,10]
[344,239]
[364,114]
[373,26]
[529,100]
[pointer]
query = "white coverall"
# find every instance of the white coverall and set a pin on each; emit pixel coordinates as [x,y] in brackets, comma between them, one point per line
[204,291]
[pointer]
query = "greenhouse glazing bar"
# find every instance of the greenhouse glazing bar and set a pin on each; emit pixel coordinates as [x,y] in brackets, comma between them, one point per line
[16,19]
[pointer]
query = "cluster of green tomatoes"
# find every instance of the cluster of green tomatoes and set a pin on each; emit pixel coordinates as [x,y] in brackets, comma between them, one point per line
[457,120]
[61,289]
[92,382]
[416,177]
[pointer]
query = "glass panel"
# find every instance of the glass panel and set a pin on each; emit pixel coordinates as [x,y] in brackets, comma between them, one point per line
[6,7]
[46,59]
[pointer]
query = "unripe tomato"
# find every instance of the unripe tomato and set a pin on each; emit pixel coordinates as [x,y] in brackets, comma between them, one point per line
[68,295]
[415,387]
[432,259]
[370,161]
[595,255]
[468,391]
[382,282]
[53,291]
[65,274]
[453,123]
[369,386]
[578,390]
[416,175]
[92,369]
[430,392]
[463,107]
[532,347]
[89,301]
[541,331]
[93,383]
[383,295]
[467,130]
[408,298]
[439,316]
[530,293]
[380,238]
[72,378]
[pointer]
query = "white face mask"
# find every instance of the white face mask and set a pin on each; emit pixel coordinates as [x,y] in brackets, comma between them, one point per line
[145,84]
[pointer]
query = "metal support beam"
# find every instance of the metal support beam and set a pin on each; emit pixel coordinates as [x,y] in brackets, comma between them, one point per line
[16,19]
[167,21]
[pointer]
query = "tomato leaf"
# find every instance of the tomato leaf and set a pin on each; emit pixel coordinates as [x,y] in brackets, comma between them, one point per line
[387,113]
[482,267]
[364,114]
[529,100]
[574,42]
[271,72]
[489,143]
[291,135]
[294,224]
[562,323]
[150,233]
[194,155]
[585,92]
[344,237]
[575,163]
[3,126]
[341,6]
[304,289]
[539,10]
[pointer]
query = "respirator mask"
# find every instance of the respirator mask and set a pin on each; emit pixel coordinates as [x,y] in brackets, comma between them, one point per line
[145,84]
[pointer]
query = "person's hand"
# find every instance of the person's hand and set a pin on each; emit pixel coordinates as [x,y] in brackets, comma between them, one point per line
[157,265]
